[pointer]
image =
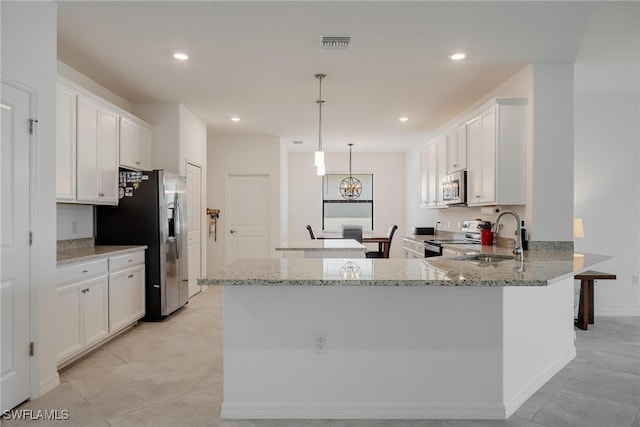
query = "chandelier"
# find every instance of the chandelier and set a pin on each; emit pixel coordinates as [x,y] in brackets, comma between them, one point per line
[319,155]
[350,187]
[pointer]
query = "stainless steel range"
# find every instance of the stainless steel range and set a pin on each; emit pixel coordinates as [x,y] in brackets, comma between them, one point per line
[471,229]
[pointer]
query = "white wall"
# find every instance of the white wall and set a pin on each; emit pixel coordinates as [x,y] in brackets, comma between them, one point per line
[29,52]
[74,221]
[551,207]
[305,192]
[241,155]
[607,198]
[165,145]
[85,82]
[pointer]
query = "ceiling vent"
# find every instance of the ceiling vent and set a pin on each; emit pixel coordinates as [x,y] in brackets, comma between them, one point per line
[335,42]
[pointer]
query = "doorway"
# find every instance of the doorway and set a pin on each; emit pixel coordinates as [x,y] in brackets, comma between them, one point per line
[15,240]
[247,222]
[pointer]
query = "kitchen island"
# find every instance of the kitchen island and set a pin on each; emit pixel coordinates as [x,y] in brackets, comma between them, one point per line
[451,337]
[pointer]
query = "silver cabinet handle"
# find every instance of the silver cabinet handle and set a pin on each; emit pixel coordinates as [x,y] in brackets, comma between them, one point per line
[232,231]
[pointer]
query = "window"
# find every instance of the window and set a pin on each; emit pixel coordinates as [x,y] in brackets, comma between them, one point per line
[338,211]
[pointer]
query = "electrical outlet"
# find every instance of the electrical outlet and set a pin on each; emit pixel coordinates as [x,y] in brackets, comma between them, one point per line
[449,224]
[636,279]
[320,342]
[74,227]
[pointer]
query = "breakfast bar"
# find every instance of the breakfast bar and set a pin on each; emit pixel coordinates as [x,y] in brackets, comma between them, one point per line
[460,336]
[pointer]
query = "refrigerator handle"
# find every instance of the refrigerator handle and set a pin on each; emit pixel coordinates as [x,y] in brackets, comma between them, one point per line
[178,226]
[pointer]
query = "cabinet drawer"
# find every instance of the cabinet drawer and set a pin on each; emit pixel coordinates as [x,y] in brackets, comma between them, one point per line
[127,260]
[81,271]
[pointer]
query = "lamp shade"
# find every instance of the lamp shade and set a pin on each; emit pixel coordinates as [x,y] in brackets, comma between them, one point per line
[578,228]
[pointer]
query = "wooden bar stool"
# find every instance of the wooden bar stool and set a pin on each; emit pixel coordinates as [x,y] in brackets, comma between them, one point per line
[585,308]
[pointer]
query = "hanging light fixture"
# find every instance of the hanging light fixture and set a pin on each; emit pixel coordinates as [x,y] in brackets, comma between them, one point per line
[350,187]
[319,155]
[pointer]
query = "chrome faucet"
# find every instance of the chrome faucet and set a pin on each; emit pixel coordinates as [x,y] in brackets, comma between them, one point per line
[517,250]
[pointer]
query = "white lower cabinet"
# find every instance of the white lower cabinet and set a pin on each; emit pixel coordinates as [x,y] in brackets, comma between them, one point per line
[82,316]
[126,290]
[96,299]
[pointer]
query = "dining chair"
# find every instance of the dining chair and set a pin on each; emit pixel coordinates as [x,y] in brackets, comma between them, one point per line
[310,230]
[380,252]
[352,232]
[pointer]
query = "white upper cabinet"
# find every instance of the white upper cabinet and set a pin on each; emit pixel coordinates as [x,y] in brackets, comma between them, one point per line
[496,141]
[135,144]
[66,143]
[457,149]
[88,142]
[433,169]
[97,151]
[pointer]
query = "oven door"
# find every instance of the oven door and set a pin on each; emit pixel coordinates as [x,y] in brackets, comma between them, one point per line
[432,249]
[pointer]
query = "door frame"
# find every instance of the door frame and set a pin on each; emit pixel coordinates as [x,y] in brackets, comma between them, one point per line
[203,222]
[34,314]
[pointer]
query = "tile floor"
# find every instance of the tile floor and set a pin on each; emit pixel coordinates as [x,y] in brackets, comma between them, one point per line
[170,374]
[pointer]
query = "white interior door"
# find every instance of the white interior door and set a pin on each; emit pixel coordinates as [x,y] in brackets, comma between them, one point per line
[195,214]
[14,238]
[247,219]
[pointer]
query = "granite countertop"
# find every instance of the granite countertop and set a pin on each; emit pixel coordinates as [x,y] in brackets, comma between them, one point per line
[323,245]
[539,268]
[73,251]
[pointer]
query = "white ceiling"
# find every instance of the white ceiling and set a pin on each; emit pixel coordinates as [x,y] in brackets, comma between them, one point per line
[257,60]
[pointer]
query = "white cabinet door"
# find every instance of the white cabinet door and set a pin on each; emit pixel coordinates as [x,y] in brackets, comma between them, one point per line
[135,144]
[69,333]
[424,179]
[145,135]
[95,307]
[97,152]
[118,299]
[108,147]
[126,297]
[481,165]
[87,149]
[434,168]
[457,149]
[441,170]
[128,144]
[137,308]
[432,175]
[66,143]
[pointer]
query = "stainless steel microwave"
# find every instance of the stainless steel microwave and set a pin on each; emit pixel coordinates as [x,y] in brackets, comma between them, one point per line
[454,188]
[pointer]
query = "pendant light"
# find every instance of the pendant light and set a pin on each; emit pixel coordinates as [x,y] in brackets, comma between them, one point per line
[350,187]
[319,155]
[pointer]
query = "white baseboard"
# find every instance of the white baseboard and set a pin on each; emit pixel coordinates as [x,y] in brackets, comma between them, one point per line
[47,385]
[527,391]
[362,411]
[617,313]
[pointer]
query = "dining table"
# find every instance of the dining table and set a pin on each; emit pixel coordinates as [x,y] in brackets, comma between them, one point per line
[384,243]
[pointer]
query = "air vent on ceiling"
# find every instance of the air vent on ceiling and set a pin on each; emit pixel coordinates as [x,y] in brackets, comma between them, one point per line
[335,42]
[297,142]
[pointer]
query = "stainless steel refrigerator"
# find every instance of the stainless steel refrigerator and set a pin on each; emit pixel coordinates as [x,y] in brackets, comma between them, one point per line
[152,211]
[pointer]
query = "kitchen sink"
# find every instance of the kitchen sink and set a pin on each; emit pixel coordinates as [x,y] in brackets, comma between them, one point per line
[484,258]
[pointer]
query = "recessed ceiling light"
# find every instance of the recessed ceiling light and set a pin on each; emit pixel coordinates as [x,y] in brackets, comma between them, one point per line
[458,56]
[181,56]
[235,119]
[404,119]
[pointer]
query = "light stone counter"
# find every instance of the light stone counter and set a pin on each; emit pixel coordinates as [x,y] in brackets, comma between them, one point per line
[538,269]
[68,256]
